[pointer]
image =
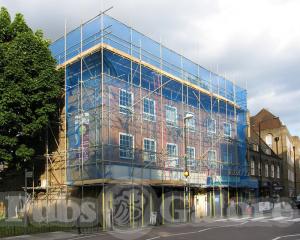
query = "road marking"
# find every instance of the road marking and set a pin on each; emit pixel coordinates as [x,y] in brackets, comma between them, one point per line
[221,220]
[278,218]
[257,219]
[285,236]
[87,236]
[205,229]
[239,219]
[202,230]
[294,220]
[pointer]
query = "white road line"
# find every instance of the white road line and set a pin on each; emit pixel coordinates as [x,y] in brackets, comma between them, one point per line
[257,219]
[278,218]
[285,236]
[239,219]
[294,220]
[221,220]
[153,238]
[205,229]
[202,230]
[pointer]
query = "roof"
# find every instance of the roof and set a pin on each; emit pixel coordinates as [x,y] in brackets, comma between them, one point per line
[254,139]
[266,119]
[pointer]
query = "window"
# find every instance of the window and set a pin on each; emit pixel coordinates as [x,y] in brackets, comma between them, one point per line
[268,151]
[255,147]
[272,171]
[227,129]
[266,170]
[278,172]
[125,102]
[291,175]
[269,140]
[252,167]
[259,169]
[172,155]
[126,146]
[149,109]
[211,125]
[191,156]
[171,115]
[149,150]
[191,123]
[211,158]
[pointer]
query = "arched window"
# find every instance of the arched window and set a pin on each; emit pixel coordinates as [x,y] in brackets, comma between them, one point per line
[269,140]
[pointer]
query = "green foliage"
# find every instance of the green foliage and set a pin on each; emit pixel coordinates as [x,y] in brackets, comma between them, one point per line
[30,88]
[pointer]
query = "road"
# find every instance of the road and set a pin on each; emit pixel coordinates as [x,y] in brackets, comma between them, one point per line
[258,228]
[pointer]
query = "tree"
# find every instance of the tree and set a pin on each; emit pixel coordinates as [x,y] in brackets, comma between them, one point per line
[30,89]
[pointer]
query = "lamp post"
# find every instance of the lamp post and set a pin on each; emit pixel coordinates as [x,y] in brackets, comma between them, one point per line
[186,172]
[188,116]
[276,141]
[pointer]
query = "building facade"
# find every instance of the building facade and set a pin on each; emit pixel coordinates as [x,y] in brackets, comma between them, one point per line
[265,167]
[137,113]
[278,138]
[296,143]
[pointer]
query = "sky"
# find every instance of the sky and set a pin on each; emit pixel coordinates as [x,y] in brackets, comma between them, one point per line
[255,43]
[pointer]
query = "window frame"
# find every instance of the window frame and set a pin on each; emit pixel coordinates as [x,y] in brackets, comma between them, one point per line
[215,160]
[191,128]
[128,110]
[215,125]
[252,167]
[259,168]
[129,135]
[272,171]
[193,159]
[172,158]
[148,116]
[266,170]
[168,121]
[230,129]
[269,136]
[149,153]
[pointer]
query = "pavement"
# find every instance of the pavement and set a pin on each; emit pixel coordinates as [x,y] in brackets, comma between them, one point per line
[258,227]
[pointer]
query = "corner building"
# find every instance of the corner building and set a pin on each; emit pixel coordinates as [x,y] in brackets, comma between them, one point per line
[126,99]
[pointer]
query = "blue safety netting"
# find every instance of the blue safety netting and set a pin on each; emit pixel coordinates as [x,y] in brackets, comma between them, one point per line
[93,112]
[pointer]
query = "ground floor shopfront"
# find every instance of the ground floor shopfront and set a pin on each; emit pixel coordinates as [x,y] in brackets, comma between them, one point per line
[132,205]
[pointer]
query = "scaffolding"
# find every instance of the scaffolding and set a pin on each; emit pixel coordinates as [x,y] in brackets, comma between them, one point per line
[126,98]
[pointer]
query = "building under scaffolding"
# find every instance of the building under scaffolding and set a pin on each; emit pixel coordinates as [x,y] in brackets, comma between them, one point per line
[126,101]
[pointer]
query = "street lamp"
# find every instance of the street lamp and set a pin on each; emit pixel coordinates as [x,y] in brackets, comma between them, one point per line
[188,116]
[276,140]
[186,172]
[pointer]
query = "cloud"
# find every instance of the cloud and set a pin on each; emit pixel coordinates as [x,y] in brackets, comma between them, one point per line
[253,42]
